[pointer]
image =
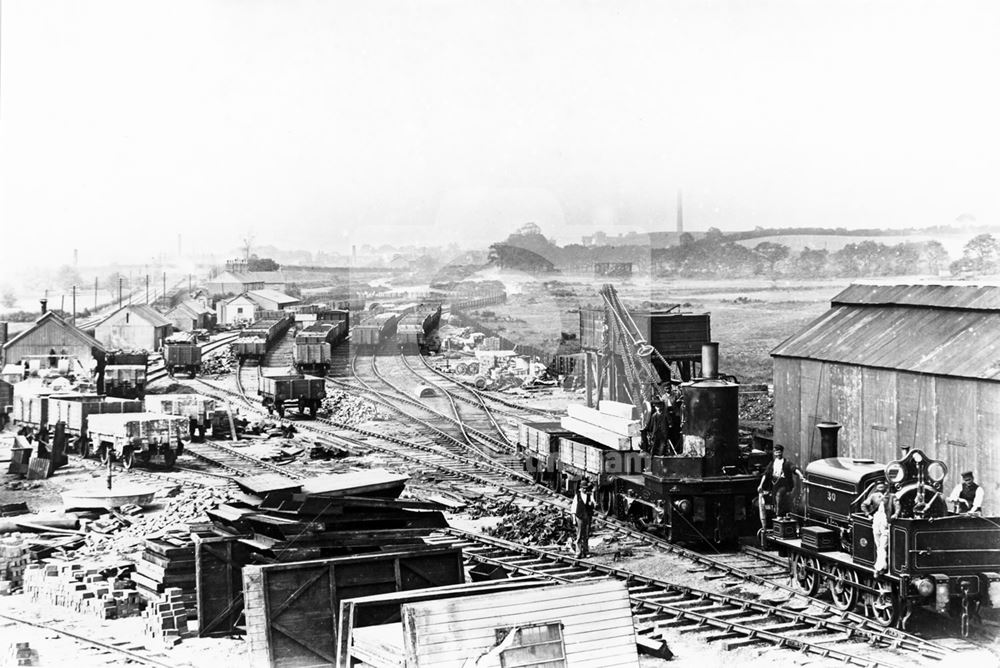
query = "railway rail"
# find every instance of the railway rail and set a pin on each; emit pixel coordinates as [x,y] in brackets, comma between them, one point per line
[732,620]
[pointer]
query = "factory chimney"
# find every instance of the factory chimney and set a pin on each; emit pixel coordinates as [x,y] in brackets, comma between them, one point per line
[680,213]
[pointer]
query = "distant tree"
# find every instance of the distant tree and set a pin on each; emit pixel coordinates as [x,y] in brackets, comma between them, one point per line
[934,256]
[981,254]
[262,264]
[68,276]
[771,253]
[685,239]
[9,299]
[714,234]
[811,262]
[293,290]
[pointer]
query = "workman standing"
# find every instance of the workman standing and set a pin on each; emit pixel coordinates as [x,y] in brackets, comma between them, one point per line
[967,497]
[779,480]
[583,512]
[659,427]
[886,511]
[870,505]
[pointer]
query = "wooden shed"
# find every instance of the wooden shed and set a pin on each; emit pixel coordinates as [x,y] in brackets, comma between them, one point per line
[134,327]
[909,365]
[190,315]
[582,625]
[51,335]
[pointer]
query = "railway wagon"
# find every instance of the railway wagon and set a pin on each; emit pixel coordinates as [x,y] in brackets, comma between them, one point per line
[936,559]
[181,353]
[581,458]
[74,412]
[314,346]
[280,392]
[125,381]
[373,330]
[198,409]
[538,446]
[415,329]
[141,438]
[31,409]
[257,338]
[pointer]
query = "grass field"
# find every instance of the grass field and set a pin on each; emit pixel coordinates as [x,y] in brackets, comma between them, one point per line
[749,318]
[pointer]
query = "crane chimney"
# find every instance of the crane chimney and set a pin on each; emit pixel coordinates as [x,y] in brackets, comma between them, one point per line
[710,360]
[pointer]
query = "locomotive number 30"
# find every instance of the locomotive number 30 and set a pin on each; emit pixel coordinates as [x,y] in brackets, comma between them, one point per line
[831,496]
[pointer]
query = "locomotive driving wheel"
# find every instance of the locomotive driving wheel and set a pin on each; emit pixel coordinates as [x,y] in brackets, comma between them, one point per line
[606,499]
[804,579]
[882,605]
[843,586]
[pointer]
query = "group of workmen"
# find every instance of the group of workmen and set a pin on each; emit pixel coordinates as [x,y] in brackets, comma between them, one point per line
[779,483]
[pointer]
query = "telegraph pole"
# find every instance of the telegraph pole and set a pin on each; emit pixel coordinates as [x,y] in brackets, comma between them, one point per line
[74,306]
[164,295]
[120,279]
[147,288]
[95,294]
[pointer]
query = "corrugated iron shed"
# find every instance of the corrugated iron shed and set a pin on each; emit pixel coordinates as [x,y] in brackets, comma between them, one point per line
[940,330]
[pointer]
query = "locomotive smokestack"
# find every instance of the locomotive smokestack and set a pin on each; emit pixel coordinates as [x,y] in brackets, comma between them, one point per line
[710,360]
[45,305]
[828,439]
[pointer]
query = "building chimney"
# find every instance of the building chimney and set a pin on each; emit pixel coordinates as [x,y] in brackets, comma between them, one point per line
[45,305]
[828,439]
[710,360]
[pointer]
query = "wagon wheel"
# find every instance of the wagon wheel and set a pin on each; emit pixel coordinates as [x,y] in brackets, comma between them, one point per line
[281,410]
[606,499]
[169,457]
[192,372]
[83,446]
[805,580]
[882,605]
[843,585]
[104,454]
[201,432]
[128,458]
[313,408]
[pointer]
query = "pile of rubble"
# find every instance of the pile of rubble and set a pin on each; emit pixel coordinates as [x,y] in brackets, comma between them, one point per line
[756,407]
[536,526]
[218,365]
[489,507]
[340,406]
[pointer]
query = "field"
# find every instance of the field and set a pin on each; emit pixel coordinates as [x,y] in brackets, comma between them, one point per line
[748,319]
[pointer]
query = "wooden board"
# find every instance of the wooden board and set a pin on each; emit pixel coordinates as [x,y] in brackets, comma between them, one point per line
[617,409]
[291,608]
[374,482]
[602,436]
[219,579]
[613,423]
[593,620]
[268,483]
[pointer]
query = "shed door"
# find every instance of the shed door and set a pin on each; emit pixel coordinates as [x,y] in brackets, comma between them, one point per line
[218,568]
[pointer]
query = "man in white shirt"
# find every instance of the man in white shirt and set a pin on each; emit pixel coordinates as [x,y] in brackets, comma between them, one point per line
[967,497]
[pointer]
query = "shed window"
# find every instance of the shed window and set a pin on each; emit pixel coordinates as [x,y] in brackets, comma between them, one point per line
[534,646]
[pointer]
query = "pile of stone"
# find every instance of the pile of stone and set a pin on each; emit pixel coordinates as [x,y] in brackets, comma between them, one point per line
[13,560]
[83,589]
[218,365]
[20,654]
[167,619]
[342,407]
[536,526]
[756,407]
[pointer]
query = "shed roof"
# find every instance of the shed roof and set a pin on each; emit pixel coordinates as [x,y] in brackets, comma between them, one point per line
[149,314]
[50,317]
[927,329]
[272,295]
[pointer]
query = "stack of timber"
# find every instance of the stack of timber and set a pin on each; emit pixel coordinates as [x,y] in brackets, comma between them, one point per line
[168,563]
[324,517]
[612,424]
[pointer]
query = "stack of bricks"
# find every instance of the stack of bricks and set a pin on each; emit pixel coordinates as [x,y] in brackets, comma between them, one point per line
[13,560]
[82,590]
[167,619]
[20,654]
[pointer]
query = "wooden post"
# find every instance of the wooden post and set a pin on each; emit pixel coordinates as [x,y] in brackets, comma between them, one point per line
[588,376]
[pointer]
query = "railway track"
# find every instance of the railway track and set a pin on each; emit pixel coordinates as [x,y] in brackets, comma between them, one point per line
[157,371]
[660,607]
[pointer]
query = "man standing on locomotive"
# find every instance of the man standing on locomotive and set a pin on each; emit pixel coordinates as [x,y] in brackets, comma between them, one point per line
[886,511]
[967,497]
[583,511]
[779,480]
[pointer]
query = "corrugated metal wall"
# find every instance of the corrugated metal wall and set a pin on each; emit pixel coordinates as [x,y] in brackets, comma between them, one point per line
[955,420]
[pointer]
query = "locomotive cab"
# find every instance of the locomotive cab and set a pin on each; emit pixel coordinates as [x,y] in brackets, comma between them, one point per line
[836,486]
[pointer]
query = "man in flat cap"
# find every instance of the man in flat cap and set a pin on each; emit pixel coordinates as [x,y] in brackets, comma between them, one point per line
[779,480]
[967,497]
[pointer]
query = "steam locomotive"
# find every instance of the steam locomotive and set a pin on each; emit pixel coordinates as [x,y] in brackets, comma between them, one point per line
[936,559]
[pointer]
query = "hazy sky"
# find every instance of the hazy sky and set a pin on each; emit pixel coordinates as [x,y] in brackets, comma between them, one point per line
[321,124]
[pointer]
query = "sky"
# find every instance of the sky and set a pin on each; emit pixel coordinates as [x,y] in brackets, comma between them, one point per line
[319,125]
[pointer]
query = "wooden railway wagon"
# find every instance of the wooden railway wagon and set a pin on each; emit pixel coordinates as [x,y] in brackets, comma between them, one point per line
[415,330]
[279,392]
[945,561]
[31,409]
[314,346]
[125,381]
[256,339]
[373,330]
[479,300]
[538,446]
[138,437]
[181,353]
[74,412]
[581,458]
[198,409]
